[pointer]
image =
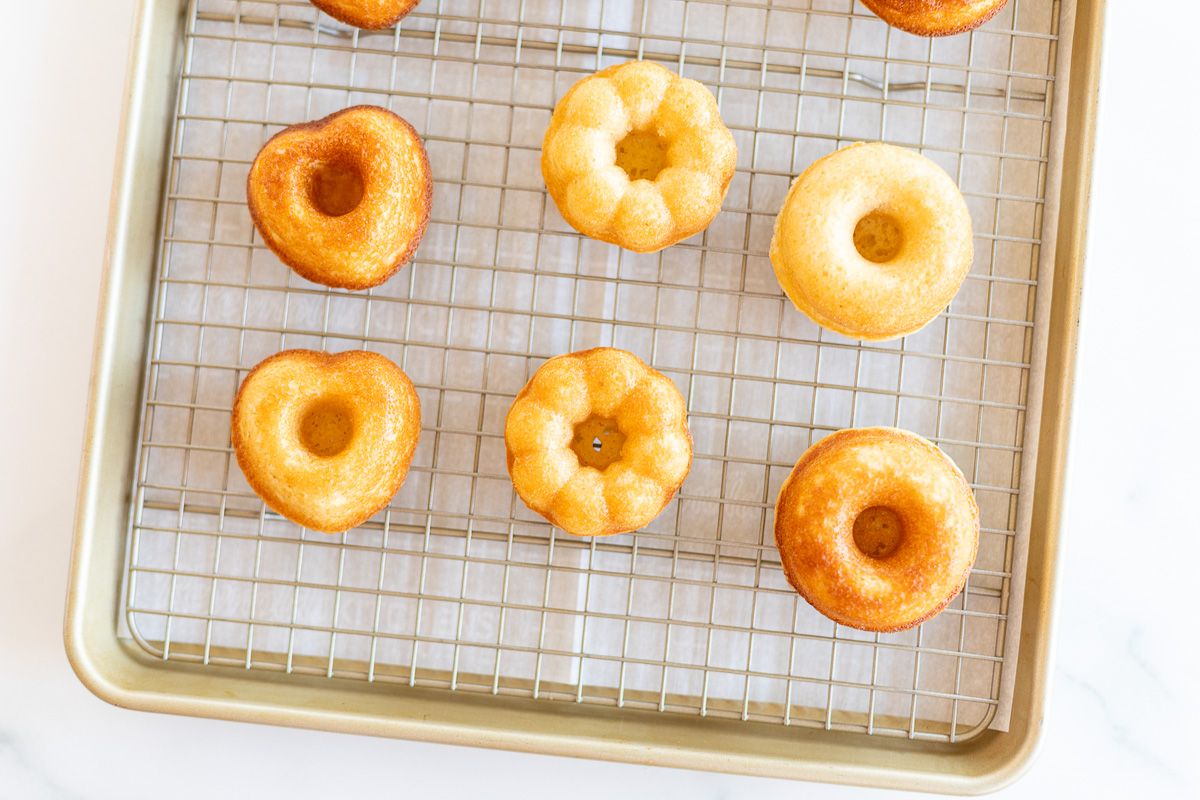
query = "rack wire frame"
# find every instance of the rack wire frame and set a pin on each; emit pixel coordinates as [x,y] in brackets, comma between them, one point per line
[457,585]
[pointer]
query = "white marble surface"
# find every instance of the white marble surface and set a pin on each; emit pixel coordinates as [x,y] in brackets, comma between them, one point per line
[1124,706]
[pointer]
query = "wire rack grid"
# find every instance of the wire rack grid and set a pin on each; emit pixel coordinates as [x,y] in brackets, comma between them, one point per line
[456,584]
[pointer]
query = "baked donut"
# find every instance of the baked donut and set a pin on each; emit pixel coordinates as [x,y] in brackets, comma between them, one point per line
[935,17]
[369,14]
[326,439]
[598,442]
[343,201]
[876,528]
[637,156]
[873,241]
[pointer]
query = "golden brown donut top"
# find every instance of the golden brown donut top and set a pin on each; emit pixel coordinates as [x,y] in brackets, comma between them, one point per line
[918,486]
[326,439]
[638,156]
[935,17]
[369,14]
[344,201]
[633,414]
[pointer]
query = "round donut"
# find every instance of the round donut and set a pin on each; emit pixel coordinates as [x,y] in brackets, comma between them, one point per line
[637,156]
[369,14]
[343,201]
[324,439]
[873,241]
[935,17]
[598,442]
[876,528]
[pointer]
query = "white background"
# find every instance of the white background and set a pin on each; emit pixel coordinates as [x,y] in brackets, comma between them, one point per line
[1125,702]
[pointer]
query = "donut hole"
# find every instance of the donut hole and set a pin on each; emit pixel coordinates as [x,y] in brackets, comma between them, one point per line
[326,427]
[336,188]
[597,442]
[877,237]
[642,154]
[878,531]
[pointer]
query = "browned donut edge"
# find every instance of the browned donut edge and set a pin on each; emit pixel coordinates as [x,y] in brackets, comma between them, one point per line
[614,529]
[914,22]
[814,452]
[424,211]
[320,359]
[366,22]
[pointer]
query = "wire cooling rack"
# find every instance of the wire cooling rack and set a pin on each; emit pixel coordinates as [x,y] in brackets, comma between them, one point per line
[456,584]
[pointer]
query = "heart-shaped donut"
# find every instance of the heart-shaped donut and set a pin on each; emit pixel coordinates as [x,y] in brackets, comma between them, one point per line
[344,201]
[326,439]
[369,14]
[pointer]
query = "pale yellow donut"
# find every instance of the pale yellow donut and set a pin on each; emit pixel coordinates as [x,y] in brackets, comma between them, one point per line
[637,156]
[605,396]
[876,528]
[326,439]
[915,224]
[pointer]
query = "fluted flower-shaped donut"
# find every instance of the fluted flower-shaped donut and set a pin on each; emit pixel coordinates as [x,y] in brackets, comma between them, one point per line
[637,156]
[598,442]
